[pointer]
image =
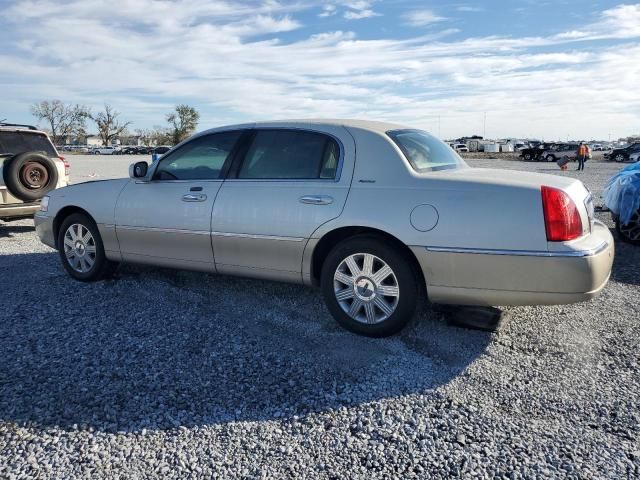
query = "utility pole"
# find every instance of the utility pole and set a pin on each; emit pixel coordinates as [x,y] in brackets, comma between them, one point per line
[484,127]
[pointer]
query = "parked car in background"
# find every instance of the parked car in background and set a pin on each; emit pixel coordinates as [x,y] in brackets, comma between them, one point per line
[561,150]
[30,167]
[461,147]
[534,153]
[293,201]
[103,150]
[622,154]
[634,157]
[161,150]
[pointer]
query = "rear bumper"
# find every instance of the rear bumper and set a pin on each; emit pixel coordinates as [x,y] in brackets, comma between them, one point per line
[19,210]
[494,277]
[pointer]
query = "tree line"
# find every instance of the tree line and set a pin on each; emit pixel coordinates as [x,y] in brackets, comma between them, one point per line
[65,120]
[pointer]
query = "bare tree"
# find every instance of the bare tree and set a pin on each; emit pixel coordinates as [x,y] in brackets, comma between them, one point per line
[63,120]
[183,122]
[109,126]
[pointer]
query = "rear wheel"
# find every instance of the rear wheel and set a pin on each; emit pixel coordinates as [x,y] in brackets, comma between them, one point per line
[551,158]
[81,249]
[527,156]
[368,287]
[630,232]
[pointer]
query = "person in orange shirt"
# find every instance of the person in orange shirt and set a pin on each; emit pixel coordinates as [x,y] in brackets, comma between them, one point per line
[582,155]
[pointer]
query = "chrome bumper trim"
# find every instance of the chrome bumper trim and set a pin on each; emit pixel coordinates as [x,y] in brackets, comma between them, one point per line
[524,253]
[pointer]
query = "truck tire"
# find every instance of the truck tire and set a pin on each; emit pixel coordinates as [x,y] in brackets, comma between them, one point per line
[29,176]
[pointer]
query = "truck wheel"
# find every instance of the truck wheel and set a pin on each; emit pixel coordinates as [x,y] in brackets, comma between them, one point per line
[29,176]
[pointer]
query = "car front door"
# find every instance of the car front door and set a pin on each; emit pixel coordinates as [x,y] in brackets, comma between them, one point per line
[166,219]
[285,184]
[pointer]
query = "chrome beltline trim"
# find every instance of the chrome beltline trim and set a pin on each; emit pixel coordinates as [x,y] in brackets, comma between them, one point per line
[522,253]
[258,237]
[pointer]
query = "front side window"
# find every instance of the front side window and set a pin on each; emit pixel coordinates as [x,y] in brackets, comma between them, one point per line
[425,152]
[200,159]
[290,155]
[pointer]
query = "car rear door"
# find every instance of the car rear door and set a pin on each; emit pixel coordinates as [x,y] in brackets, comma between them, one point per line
[166,220]
[285,184]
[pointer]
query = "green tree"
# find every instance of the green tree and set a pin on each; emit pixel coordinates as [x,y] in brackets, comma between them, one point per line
[63,120]
[182,122]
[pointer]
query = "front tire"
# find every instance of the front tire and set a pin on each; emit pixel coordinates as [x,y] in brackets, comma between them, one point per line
[369,288]
[620,158]
[81,249]
[551,158]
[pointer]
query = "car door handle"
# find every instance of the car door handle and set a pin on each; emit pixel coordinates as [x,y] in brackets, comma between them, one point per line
[316,199]
[194,197]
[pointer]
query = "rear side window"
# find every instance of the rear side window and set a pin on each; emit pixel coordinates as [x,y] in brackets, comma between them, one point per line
[19,142]
[425,152]
[290,155]
[199,159]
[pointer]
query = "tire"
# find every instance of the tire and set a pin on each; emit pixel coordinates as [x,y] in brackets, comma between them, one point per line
[88,262]
[527,157]
[29,176]
[376,314]
[551,158]
[620,157]
[630,233]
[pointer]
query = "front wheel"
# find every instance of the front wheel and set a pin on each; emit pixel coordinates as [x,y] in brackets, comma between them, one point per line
[619,158]
[81,249]
[369,288]
[551,158]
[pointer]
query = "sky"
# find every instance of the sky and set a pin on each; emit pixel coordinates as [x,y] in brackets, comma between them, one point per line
[504,69]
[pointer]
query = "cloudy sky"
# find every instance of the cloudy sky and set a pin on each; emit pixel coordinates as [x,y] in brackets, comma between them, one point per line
[546,69]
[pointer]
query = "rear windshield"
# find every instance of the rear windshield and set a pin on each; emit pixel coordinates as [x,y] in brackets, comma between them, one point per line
[19,142]
[425,152]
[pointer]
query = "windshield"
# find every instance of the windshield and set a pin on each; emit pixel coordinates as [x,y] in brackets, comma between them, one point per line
[425,152]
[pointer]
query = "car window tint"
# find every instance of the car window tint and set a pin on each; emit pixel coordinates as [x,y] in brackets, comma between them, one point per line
[18,142]
[290,154]
[199,159]
[424,151]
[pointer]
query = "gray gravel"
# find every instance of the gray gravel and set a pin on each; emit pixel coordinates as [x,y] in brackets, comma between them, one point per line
[163,374]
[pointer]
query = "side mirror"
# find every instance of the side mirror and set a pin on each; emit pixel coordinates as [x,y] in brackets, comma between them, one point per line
[138,170]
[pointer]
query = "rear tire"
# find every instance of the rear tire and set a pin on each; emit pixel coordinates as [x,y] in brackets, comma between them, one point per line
[81,249]
[551,158]
[369,288]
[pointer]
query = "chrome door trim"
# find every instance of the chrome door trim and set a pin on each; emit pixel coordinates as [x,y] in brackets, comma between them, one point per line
[523,253]
[194,197]
[163,230]
[316,199]
[259,237]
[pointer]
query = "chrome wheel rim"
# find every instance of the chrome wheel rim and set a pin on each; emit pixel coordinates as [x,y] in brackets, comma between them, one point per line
[632,229]
[79,248]
[366,288]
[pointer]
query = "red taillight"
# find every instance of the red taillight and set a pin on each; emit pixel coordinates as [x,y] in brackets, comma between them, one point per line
[66,165]
[561,217]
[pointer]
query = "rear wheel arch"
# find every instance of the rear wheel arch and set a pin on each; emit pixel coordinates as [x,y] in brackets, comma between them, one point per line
[334,237]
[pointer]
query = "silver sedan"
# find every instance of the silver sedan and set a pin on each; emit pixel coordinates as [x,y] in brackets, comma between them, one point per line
[377,215]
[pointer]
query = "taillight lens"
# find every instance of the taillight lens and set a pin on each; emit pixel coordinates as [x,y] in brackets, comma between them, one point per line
[561,217]
[66,165]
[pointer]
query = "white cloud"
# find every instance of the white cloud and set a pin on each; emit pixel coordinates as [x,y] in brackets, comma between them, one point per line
[358,14]
[328,11]
[230,61]
[469,8]
[419,18]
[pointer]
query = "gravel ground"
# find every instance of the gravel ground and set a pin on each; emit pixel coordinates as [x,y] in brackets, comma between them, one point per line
[163,374]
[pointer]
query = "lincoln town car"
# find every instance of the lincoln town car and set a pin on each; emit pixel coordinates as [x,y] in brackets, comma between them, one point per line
[377,215]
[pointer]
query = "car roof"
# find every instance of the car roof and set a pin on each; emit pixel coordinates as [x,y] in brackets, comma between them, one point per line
[21,129]
[374,126]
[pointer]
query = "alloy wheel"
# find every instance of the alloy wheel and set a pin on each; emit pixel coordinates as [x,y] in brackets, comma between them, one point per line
[79,248]
[366,288]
